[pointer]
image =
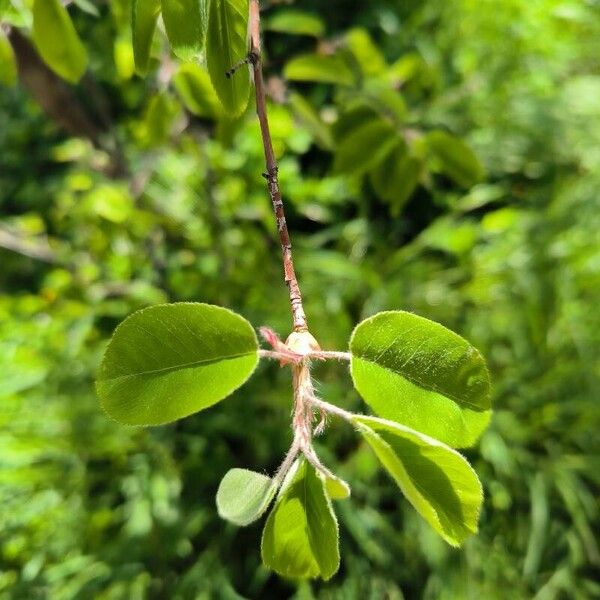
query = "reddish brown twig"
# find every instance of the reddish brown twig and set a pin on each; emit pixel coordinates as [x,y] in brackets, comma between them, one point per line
[299,318]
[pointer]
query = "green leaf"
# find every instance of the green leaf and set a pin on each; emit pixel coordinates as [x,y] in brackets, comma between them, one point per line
[193,86]
[243,496]
[88,7]
[337,489]
[8,65]
[225,46]
[396,177]
[364,147]
[418,373]
[57,41]
[295,22]
[184,23]
[319,68]
[310,119]
[456,159]
[144,15]
[436,480]
[172,360]
[300,538]
[368,56]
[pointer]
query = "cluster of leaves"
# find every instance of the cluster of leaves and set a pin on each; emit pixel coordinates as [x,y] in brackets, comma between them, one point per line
[93,509]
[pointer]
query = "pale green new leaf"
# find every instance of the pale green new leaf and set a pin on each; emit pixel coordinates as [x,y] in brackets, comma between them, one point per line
[184,23]
[456,159]
[436,480]
[295,22]
[243,496]
[193,86]
[144,15]
[337,488]
[172,360]
[8,64]
[418,373]
[319,68]
[57,41]
[300,538]
[226,45]
[364,147]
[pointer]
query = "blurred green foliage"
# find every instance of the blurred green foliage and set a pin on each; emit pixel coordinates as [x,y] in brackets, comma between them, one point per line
[92,509]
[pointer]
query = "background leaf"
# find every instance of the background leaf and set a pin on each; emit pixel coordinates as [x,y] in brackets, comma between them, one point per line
[144,15]
[294,21]
[435,479]
[300,538]
[57,41]
[193,86]
[8,65]
[184,22]
[319,67]
[226,45]
[456,159]
[418,373]
[169,361]
[243,496]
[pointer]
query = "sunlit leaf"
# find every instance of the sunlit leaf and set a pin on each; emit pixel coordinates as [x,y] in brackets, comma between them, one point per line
[337,489]
[456,159]
[143,23]
[172,360]
[57,41]
[193,85]
[436,480]
[243,496]
[310,119]
[300,538]
[319,68]
[368,56]
[8,65]
[418,373]
[294,21]
[184,23]
[226,45]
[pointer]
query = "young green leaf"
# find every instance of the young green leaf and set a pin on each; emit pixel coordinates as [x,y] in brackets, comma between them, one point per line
[184,23]
[225,46]
[364,147]
[319,68]
[295,22]
[193,86]
[172,360]
[57,41]
[396,177]
[300,538]
[8,65]
[456,159]
[243,496]
[418,373]
[337,489]
[436,480]
[144,15]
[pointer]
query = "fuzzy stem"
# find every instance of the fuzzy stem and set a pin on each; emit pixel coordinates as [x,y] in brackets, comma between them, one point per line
[298,316]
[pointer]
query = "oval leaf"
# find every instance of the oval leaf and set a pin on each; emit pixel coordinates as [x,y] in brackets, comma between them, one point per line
[8,64]
[57,41]
[226,46]
[192,83]
[172,360]
[319,68]
[295,22]
[418,373]
[244,496]
[300,538]
[337,489]
[456,159]
[364,147]
[436,480]
[184,23]
[144,15]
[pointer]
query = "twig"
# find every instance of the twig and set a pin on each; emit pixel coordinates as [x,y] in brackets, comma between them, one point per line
[293,357]
[331,409]
[299,318]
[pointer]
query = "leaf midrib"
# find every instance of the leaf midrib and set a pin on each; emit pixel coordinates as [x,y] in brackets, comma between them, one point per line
[189,365]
